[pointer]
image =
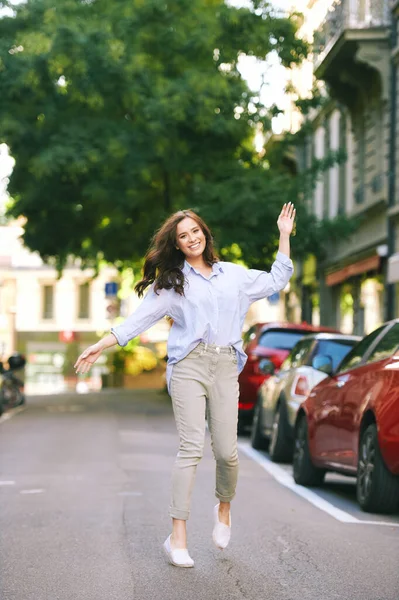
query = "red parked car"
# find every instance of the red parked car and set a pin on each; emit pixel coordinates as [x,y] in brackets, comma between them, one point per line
[272,341]
[349,423]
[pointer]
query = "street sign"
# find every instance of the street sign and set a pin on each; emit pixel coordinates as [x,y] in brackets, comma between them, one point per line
[274,298]
[111,289]
[67,336]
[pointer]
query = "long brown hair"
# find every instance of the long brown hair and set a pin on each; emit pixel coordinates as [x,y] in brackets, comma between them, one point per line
[163,262]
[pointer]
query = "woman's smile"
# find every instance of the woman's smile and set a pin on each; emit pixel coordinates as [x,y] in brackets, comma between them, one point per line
[195,246]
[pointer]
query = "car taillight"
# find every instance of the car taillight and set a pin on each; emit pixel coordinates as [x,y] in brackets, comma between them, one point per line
[301,386]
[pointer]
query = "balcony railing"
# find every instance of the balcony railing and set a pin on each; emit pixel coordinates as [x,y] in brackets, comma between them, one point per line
[348,14]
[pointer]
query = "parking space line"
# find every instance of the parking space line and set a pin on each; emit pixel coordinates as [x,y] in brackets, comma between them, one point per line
[287,481]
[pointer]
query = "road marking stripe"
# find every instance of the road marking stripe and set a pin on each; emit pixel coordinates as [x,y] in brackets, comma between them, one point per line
[11,413]
[287,480]
[7,482]
[31,491]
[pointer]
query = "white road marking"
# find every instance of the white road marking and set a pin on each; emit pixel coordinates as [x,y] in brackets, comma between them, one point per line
[11,413]
[130,493]
[287,480]
[285,544]
[7,482]
[38,491]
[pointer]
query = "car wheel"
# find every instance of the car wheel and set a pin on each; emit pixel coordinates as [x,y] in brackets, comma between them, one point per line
[258,440]
[377,489]
[305,473]
[280,449]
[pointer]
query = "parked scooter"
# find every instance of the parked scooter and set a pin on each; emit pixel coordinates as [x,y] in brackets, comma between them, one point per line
[11,386]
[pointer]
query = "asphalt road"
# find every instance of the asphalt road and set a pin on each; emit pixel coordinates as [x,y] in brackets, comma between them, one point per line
[84,494]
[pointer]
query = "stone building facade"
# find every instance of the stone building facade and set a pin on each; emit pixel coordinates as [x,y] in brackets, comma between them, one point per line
[354,54]
[393,209]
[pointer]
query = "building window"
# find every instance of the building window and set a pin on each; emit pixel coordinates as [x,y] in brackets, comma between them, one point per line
[48,302]
[343,165]
[84,301]
[361,157]
[327,174]
[319,146]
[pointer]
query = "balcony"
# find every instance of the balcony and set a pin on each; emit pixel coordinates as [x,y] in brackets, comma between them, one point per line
[348,24]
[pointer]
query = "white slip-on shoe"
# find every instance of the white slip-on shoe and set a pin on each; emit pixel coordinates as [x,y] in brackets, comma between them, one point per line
[178,557]
[221,532]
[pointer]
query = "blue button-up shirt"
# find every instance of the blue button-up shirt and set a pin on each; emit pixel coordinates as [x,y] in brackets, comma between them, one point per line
[212,309]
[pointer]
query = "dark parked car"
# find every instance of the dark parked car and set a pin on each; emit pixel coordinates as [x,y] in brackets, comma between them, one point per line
[349,423]
[272,341]
[280,396]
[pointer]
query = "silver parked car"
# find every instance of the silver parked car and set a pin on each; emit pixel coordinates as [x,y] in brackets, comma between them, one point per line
[280,396]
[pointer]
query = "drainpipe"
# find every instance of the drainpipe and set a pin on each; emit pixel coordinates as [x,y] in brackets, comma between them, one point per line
[390,287]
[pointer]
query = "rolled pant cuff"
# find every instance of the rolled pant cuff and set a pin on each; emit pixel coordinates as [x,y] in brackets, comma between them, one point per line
[224,498]
[175,513]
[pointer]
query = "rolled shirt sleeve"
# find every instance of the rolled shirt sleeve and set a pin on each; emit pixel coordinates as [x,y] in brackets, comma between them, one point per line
[153,308]
[261,284]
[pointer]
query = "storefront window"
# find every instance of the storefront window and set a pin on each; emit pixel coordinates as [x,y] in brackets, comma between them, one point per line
[346,309]
[372,302]
[366,301]
[396,300]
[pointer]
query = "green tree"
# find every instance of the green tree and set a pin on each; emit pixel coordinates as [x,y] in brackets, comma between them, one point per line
[119,112]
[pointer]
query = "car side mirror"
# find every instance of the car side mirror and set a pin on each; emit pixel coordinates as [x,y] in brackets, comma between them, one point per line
[266,367]
[323,363]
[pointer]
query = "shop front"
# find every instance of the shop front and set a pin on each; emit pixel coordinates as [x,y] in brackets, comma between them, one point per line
[358,290]
[393,278]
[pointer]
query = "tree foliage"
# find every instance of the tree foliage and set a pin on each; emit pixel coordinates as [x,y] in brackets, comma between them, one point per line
[118,113]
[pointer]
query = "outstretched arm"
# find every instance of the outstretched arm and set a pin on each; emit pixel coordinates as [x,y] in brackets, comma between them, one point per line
[261,284]
[91,354]
[153,307]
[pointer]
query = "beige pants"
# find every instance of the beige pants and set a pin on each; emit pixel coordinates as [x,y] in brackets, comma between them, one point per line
[206,381]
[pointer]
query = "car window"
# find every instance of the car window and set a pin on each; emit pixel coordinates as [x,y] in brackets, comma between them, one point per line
[354,357]
[280,339]
[249,335]
[298,355]
[387,346]
[335,349]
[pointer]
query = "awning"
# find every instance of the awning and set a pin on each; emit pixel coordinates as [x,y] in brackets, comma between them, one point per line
[362,266]
[393,268]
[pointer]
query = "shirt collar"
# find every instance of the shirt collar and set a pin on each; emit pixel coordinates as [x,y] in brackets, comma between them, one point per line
[216,268]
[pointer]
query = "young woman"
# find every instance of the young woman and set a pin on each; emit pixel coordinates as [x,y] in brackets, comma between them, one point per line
[208,301]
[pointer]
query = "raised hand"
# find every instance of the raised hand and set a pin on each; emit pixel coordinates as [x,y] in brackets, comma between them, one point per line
[286,219]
